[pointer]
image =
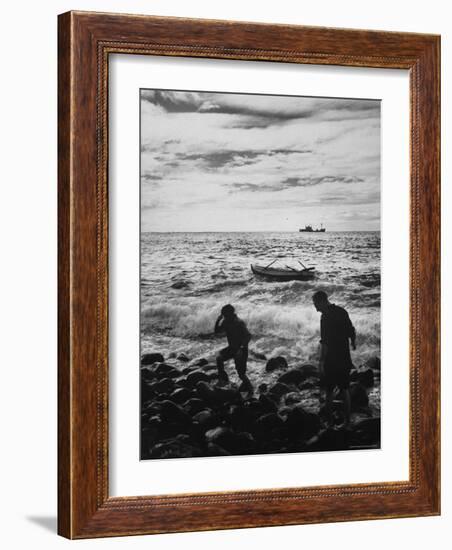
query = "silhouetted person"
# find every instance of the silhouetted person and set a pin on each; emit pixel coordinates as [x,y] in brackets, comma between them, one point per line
[336,331]
[238,338]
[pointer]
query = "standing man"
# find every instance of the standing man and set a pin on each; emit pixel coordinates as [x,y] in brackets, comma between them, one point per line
[238,338]
[336,330]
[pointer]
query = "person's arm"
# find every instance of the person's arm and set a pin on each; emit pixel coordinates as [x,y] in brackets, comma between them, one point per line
[246,336]
[351,331]
[219,325]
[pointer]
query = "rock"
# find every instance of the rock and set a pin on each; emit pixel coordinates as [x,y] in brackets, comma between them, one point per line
[309,370]
[293,376]
[366,377]
[164,370]
[268,405]
[200,362]
[196,376]
[165,386]
[241,417]
[308,384]
[368,431]
[205,392]
[207,419]
[268,422]
[147,374]
[180,284]
[258,355]
[147,391]
[301,423]
[174,449]
[358,395]
[245,443]
[170,412]
[150,358]
[216,450]
[226,395]
[182,357]
[232,442]
[292,398]
[180,395]
[373,363]
[331,439]
[276,363]
[279,389]
[262,388]
[194,405]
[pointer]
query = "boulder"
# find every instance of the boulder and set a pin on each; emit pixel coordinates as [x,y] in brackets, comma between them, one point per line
[279,389]
[170,412]
[207,419]
[358,396]
[292,376]
[200,362]
[267,423]
[373,363]
[223,437]
[182,357]
[216,450]
[276,363]
[150,358]
[330,439]
[268,405]
[302,424]
[162,370]
[366,377]
[194,405]
[180,395]
[196,376]
[174,448]
[292,397]
[180,284]
[241,417]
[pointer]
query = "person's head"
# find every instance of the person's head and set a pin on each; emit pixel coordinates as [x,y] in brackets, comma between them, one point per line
[320,299]
[228,311]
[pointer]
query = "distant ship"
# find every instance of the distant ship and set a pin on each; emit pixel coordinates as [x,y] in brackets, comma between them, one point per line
[309,229]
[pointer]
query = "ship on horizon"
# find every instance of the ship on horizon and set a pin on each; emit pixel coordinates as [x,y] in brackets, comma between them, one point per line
[310,229]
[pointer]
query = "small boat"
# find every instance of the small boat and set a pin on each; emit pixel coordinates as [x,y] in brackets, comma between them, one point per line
[279,274]
[309,229]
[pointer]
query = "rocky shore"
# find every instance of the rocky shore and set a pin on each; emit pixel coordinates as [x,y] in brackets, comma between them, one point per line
[185,412]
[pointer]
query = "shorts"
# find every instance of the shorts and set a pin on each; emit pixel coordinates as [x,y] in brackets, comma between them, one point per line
[240,358]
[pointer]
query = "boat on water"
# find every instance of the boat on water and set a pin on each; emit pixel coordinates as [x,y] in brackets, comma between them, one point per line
[280,274]
[310,229]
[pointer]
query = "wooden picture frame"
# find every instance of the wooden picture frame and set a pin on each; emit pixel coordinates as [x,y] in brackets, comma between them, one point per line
[86,40]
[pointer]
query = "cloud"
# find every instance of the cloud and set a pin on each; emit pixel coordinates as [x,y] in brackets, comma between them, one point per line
[291,182]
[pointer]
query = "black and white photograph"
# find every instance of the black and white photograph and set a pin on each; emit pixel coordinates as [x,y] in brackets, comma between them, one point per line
[259,274]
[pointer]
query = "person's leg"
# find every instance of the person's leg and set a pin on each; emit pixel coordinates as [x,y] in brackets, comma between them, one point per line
[329,394]
[221,357]
[240,365]
[347,406]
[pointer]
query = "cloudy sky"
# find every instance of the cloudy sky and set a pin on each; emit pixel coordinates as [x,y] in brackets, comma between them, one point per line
[236,162]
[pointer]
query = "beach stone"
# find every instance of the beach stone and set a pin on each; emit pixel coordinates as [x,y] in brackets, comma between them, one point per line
[330,439]
[226,395]
[366,377]
[216,450]
[147,374]
[174,449]
[194,405]
[276,363]
[292,398]
[165,386]
[196,376]
[201,362]
[147,391]
[268,405]
[180,395]
[310,371]
[241,417]
[150,358]
[164,370]
[258,355]
[262,388]
[205,391]
[373,363]
[182,357]
[279,389]
[171,412]
[293,376]
[245,443]
[207,419]
[301,423]
[224,437]
[267,423]
[358,396]
[308,384]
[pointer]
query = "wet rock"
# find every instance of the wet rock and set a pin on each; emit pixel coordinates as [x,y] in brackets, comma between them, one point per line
[164,386]
[292,397]
[150,358]
[200,362]
[301,423]
[367,431]
[279,389]
[180,395]
[309,370]
[268,405]
[293,376]
[147,374]
[262,388]
[309,384]
[163,370]
[194,405]
[170,412]
[182,357]
[276,363]
[216,450]
[330,439]
[373,363]
[207,419]
[267,423]
[241,417]
[232,442]
[225,395]
[366,377]
[174,448]
[196,376]
[147,391]
[358,395]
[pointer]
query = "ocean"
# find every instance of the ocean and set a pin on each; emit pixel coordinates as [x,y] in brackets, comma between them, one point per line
[187,277]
